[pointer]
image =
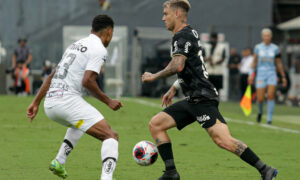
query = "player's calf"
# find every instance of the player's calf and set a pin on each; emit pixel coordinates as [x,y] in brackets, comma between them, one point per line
[221,136]
[109,149]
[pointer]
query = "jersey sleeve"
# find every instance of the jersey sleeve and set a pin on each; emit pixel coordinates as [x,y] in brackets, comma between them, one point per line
[96,61]
[181,46]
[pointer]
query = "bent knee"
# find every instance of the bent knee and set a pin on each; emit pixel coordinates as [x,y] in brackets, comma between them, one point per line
[155,123]
[115,135]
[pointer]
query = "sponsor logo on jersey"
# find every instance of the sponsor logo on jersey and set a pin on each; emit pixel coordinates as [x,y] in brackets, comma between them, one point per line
[58,93]
[175,48]
[203,118]
[186,47]
[180,80]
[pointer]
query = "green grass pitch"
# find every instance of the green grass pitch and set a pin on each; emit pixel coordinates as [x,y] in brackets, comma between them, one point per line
[27,149]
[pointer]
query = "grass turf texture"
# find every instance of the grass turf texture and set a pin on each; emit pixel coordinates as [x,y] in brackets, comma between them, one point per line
[27,149]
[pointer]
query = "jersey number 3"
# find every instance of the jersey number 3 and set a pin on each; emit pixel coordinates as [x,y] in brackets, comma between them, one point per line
[64,65]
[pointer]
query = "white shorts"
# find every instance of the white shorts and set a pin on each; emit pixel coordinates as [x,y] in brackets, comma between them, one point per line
[72,111]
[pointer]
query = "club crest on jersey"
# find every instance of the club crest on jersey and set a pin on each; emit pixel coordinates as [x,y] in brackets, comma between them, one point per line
[203,118]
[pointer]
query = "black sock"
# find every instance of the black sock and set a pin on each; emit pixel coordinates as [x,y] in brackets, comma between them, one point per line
[166,153]
[251,158]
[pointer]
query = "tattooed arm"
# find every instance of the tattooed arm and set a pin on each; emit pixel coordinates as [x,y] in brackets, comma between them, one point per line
[176,65]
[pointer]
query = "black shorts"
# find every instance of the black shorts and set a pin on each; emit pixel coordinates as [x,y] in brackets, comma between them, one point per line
[185,113]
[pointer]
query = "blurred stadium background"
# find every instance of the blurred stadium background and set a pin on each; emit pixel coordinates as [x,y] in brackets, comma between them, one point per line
[141,43]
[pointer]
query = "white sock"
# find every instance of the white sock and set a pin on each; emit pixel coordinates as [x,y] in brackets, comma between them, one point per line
[71,138]
[109,156]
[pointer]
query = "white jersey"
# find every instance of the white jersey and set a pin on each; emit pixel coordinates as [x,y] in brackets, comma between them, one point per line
[86,54]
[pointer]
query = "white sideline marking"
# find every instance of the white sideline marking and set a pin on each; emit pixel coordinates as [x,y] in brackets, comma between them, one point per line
[140,101]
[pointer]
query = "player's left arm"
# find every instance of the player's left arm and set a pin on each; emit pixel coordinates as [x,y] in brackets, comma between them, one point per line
[281,70]
[167,98]
[33,108]
[176,65]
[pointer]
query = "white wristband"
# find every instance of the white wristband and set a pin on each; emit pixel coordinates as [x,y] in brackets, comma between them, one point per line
[176,84]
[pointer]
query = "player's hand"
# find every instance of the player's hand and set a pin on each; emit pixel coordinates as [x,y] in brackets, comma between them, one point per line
[167,98]
[148,77]
[284,82]
[250,79]
[115,104]
[32,111]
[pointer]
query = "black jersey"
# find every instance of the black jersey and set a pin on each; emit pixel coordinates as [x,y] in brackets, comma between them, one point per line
[193,78]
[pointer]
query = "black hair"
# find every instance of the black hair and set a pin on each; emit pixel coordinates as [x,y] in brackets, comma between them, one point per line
[214,35]
[101,22]
[22,39]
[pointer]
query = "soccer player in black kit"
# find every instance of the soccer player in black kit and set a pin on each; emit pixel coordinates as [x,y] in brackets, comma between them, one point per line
[201,102]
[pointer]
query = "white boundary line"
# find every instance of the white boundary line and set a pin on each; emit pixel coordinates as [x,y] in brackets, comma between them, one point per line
[155,105]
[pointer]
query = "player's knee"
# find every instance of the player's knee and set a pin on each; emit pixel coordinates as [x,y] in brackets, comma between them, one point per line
[154,124]
[115,135]
[260,99]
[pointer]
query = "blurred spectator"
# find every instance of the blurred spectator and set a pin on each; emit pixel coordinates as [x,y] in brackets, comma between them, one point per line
[234,75]
[21,57]
[294,93]
[22,54]
[47,69]
[247,59]
[21,79]
[215,55]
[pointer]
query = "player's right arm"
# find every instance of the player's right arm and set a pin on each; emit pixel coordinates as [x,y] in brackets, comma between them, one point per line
[33,108]
[89,82]
[253,66]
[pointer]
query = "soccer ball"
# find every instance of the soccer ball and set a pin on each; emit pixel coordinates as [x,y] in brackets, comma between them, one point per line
[145,153]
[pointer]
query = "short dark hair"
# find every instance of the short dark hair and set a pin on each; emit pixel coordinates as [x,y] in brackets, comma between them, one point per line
[101,22]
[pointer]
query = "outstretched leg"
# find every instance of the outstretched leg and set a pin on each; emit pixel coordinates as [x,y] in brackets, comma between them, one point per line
[158,126]
[71,139]
[109,150]
[222,137]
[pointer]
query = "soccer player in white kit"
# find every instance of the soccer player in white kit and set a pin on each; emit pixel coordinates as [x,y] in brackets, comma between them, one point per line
[78,68]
